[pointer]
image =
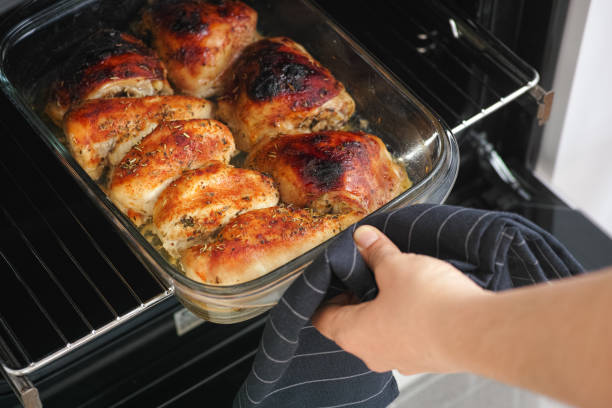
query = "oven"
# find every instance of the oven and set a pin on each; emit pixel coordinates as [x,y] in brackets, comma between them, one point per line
[82,321]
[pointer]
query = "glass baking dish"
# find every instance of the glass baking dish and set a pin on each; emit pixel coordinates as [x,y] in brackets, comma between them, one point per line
[34,48]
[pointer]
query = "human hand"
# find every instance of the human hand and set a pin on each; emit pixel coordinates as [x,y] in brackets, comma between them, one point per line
[402,327]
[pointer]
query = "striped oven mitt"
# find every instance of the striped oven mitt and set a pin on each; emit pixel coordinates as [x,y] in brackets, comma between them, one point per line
[296,366]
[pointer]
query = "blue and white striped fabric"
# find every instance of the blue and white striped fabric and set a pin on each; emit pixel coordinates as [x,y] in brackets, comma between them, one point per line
[297,367]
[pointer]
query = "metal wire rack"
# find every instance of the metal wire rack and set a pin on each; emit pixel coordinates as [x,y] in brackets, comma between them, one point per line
[68,278]
[454,65]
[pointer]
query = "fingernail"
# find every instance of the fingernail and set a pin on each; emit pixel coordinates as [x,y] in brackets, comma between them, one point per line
[365,236]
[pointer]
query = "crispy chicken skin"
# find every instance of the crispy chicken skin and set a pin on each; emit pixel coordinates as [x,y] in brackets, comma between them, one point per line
[257,242]
[160,158]
[333,171]
[201,201]
[107,64]
[277,87]
[199,40]
[102,131]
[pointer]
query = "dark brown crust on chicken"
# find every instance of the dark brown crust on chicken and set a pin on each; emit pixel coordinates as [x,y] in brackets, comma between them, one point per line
[333,171]
[258,242]
[274,69]
[277,87]
[108,56]
[199,40]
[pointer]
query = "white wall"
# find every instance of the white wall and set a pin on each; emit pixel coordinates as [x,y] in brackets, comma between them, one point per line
[576,155]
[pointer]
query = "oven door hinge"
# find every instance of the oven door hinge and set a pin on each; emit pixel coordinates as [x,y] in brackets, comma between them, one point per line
[544,99]
[489,157]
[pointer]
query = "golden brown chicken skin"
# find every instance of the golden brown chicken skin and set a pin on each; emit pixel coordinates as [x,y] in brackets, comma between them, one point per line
[278,87]
[333,171]
[257,242]
[107,64]
[161,157]
[102,131]
[198,40]
[201,201]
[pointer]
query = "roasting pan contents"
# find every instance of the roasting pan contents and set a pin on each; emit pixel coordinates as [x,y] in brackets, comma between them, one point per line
[101,131]
[195,206]
[260,241]
[161,157]
[332,172]
[199,40]
[164,160]
[107,64]
[277,87]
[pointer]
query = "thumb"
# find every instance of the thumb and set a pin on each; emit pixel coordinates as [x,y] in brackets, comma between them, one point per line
[374,246]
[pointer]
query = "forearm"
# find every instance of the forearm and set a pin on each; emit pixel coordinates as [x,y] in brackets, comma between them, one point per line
[555,339]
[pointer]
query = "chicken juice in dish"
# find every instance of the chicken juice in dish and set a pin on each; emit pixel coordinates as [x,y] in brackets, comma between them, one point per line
[164,161]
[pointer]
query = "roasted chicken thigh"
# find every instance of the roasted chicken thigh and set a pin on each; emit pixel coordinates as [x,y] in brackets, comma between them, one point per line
[107,64]
[102,131]
[278,87]
[333,171]
[161,157]
[257,242]
[198,40]
[203,200]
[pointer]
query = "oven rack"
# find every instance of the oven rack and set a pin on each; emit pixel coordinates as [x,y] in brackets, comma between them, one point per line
[68,277]
[17,359]
[457,67]
[461,71]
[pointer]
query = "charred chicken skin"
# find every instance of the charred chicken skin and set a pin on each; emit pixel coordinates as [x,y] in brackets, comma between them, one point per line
[333,171]
[198,40]
[257,242]
[160,158]
[102,131]
[201,201]
[279,88]
[107,64]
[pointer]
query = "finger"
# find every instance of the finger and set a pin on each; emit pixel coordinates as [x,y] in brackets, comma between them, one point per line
[374,246]
[334,318]
[323,317]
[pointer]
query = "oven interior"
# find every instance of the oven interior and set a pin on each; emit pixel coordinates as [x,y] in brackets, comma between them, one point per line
[67,273]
